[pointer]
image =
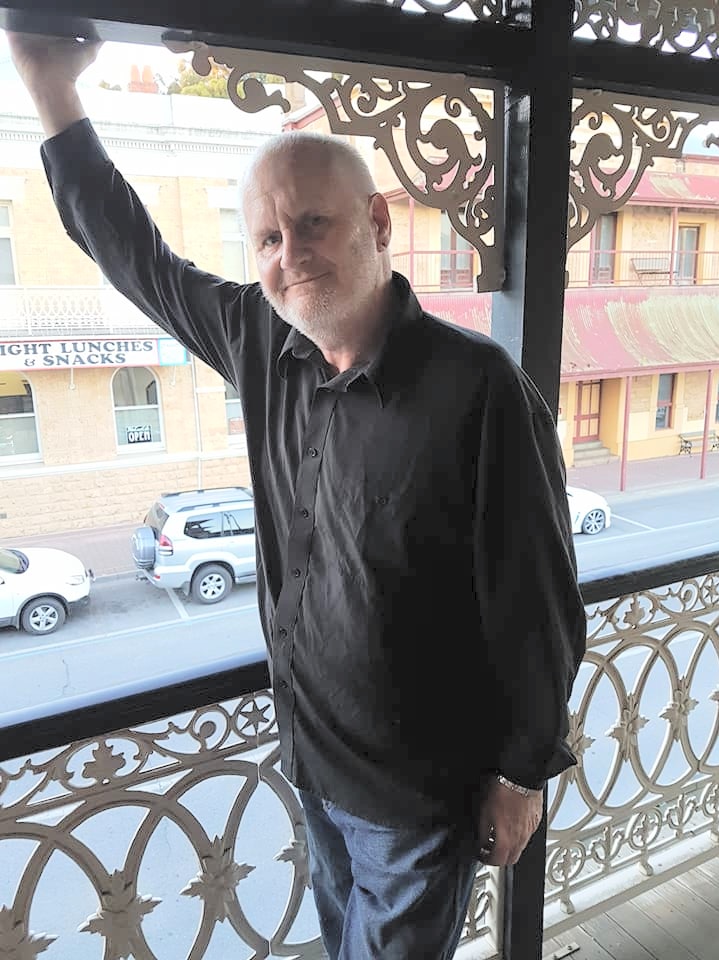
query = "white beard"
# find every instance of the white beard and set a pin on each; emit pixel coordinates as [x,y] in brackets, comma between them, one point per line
[317,317]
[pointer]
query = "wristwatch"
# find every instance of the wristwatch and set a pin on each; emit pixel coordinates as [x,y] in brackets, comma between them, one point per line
[516,787]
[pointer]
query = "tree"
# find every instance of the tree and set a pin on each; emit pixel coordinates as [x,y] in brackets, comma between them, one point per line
[191,84]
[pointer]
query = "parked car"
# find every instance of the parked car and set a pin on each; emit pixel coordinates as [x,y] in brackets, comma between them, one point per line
[590,512]
[198,541]
[39,586]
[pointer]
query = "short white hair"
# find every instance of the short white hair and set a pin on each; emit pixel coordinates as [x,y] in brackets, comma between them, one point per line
[335,148]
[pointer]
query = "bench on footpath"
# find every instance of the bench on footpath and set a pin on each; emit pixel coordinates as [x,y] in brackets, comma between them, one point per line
[687,441]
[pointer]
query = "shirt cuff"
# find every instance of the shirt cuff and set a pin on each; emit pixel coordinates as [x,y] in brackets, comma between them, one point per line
[78,140]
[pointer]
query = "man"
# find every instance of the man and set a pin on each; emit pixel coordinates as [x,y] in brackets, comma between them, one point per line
[416,574]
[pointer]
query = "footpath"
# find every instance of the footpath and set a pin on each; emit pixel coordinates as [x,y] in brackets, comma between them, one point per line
[107,550]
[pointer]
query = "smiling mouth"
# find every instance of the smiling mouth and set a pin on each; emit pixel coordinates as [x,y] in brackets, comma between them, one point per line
[301,283]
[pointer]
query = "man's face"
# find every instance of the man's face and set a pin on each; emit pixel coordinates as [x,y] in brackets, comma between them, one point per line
[319,244]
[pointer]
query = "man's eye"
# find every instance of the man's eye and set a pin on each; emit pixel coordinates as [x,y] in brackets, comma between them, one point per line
[271,241]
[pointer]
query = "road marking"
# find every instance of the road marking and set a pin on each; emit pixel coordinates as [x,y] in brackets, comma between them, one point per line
[676,526]
[636,523]
[177,604]
[145,628]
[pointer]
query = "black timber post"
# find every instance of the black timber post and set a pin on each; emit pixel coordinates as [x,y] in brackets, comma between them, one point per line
[527,318]
[527,313]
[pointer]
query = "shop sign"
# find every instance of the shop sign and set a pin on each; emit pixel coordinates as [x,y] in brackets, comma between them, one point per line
[139,434]
[57,354]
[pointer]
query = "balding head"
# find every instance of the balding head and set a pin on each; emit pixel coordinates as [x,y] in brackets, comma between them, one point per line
[318,149]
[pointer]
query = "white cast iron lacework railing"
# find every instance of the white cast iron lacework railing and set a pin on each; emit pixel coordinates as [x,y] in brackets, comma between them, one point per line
[181,839]
[177,839]
[643,802]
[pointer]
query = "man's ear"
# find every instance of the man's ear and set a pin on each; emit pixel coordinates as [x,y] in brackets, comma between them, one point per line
[379,212]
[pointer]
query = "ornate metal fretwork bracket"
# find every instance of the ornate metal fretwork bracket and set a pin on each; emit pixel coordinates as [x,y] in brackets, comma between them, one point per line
[614,141]
[442,134]
[670,27]
[515,12]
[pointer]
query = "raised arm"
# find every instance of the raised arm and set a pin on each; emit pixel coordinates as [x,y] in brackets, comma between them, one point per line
[104,216]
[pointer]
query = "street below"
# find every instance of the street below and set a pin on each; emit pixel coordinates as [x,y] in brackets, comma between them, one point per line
[651,527]
[133,636]
[130,633]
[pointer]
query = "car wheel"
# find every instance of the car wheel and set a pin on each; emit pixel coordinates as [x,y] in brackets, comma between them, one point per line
[42,615]
[594,522]
[143,547]
[211,584]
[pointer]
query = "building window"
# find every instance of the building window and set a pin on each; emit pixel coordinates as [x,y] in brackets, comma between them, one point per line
[7,263]
[686,258]
[457,261]
[18,429]
[604,242]
[234,255]
[137,411]
[665,400]
[233,412]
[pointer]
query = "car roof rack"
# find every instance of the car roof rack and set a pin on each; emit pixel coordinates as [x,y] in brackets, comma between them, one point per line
[211,491]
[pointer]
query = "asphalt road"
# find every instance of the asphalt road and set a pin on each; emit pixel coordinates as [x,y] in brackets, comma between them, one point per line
[652,527]
[130,633]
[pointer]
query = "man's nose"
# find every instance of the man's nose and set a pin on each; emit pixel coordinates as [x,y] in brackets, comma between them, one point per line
[295,250]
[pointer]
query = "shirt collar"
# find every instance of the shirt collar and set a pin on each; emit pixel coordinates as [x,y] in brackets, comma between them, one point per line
[296,345]
[385,370]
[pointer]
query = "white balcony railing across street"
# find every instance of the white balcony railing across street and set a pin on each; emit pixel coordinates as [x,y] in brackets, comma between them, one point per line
[31,313]
[181,837]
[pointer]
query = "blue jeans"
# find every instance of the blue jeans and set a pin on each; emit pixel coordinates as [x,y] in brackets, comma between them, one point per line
[388,893]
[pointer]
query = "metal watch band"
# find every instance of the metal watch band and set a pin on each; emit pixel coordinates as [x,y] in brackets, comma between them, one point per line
[516,787]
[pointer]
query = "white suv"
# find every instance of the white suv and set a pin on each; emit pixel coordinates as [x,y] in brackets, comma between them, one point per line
[199,541]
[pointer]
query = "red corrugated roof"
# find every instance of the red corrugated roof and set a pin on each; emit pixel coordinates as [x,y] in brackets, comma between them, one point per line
[670,189]
[624,330]
[609,332]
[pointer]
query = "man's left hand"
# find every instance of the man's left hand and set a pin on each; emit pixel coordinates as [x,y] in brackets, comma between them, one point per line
[514,819]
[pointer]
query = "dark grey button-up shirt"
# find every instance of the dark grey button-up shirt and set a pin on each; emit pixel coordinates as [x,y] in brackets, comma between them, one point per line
[416,573]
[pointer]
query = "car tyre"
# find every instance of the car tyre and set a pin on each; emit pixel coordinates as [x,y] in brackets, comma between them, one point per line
[594,522]
[42,615]
[211,584]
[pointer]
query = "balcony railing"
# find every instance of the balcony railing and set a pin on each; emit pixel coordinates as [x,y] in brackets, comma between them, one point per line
[193,768]
[432,270]
[632,268]
[31,313]
[36,312]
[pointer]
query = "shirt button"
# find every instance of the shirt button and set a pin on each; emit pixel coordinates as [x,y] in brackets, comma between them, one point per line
[297,572]
[282,684]
[282,632]
[312,451]
[381,501]
[304,513]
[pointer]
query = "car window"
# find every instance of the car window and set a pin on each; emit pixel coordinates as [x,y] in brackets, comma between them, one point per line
[203,528]
[156,517]
[239,522]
